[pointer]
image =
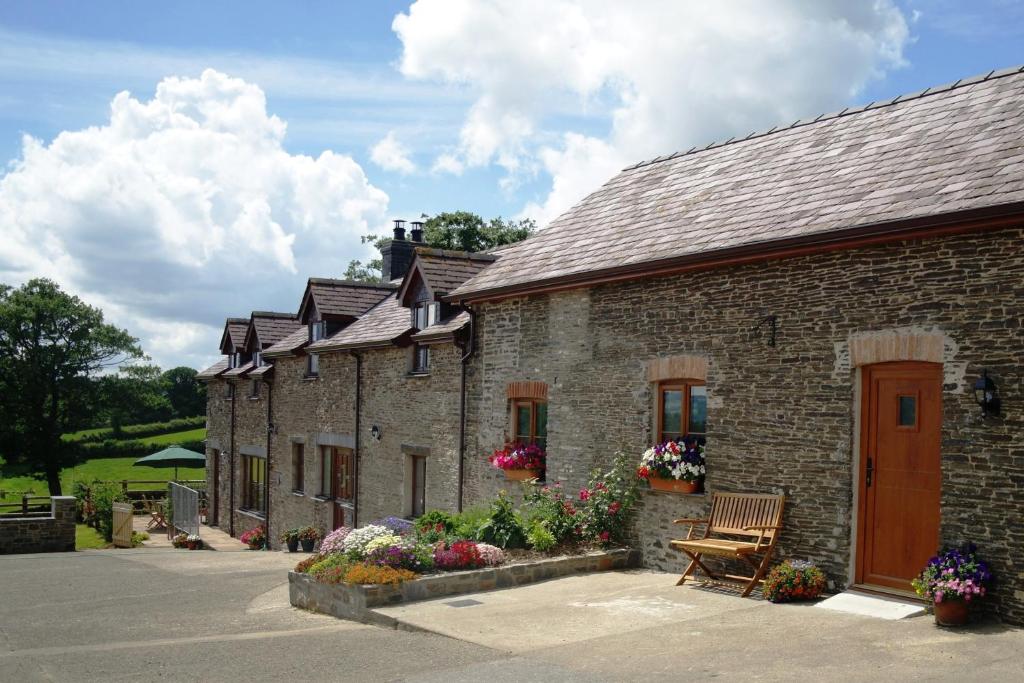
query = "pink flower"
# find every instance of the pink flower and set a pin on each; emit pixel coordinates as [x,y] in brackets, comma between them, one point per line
[605,536]
[614,507]
[938,596]
[584,494]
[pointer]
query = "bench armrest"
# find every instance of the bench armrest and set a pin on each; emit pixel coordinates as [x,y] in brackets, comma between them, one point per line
[691,522]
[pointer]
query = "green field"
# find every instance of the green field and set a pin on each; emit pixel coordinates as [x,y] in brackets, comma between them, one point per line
[108,469]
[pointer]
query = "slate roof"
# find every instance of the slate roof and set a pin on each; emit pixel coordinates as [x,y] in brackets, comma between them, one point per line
[948,149]
[261,370]
[342,298]
[289,345]
[240,371]
[234,333]
[445,270]
[214,370]
[444,330]
[382,325]
[273,327]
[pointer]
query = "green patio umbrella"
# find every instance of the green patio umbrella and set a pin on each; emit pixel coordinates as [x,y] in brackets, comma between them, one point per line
[173,456]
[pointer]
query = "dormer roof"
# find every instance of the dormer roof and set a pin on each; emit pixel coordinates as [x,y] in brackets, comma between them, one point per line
[341,300]
[233,337]
[439,272]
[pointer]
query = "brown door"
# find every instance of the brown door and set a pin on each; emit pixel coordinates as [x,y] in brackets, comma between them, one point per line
[215,498]
[900,476]
[342,483]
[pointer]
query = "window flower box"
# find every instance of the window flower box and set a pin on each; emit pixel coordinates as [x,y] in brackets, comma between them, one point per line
[673,467]
[520,462]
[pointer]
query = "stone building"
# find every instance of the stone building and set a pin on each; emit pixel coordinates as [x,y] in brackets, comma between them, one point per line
[836,307]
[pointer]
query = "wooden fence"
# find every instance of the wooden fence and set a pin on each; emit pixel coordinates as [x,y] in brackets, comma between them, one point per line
[28,506]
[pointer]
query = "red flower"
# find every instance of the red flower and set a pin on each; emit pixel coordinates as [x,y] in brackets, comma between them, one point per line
[584,494]
[643,472]
[605,536]
[568,507]
[614,507]
[599,486]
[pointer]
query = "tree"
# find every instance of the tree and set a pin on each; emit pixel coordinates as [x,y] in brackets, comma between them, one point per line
[52,346]
[458,230]
[186,394]
[135,394]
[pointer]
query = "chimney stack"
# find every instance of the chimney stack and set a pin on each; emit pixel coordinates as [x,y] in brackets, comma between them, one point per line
[417,231]
[396,255]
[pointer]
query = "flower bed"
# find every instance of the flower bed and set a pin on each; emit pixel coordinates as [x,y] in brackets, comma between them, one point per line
[357,601]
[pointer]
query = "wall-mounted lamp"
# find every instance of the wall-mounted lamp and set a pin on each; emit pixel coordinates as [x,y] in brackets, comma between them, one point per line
[986,394]
[771,323]
[375,432]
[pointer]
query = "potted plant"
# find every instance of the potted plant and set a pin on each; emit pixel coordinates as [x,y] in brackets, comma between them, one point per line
[793,580]
[520,462]
[308,536]
[675,467]
[193,542]
[180,540]
[950,581]
[291,537]
[256,538]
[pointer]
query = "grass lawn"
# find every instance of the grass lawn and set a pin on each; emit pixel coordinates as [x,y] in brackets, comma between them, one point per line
[176,437]
[86,537]
[108,469]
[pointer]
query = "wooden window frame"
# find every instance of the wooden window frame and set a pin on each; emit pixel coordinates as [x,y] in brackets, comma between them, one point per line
[683,386]
[298,467]
[254,497]
[418,367]
[532,436]
[415,483]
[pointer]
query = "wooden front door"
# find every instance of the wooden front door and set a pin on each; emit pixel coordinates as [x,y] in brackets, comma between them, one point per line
[900,473]
[342,485]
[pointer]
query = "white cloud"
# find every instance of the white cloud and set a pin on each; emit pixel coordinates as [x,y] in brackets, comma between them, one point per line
[661,75]
[448,163]
[181,210]
[392,155]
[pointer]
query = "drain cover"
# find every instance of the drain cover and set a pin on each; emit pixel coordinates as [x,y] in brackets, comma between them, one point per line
[468,602]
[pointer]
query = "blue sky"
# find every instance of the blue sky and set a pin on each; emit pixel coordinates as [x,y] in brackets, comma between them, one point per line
[515,108]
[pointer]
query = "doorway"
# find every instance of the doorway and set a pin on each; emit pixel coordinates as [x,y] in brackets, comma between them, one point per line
[900,472]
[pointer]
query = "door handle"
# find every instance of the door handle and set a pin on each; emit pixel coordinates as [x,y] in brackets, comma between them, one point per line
[869,474]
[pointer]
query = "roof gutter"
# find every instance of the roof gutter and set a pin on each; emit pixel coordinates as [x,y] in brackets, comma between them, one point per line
[972,220]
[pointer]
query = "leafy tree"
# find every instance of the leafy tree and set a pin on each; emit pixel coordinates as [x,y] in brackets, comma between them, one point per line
[134,395]
[458,230]
[52,345]
[186,394]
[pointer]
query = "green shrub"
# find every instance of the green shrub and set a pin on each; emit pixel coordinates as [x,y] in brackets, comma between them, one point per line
[327,562]
[111,448]
[434,525]
[504,528]
[609,501]
[103,496]
[540,538]
[138,431]
[557,513]
[466,524]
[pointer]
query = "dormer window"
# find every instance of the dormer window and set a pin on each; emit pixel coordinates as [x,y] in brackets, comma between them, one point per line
[424,314]
[316,333]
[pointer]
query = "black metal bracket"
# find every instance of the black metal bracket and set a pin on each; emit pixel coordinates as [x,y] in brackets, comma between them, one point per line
[771,321]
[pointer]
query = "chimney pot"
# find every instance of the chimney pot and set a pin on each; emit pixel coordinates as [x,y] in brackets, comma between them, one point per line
[399,229]
[417,231]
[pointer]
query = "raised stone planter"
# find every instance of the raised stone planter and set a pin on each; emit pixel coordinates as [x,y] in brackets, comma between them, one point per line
[357,602]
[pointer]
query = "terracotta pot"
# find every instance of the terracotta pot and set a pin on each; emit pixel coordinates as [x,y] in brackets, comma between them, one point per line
[522,475]
[951,613]
[674,485]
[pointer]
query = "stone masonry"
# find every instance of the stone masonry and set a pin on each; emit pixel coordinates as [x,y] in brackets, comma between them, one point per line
[781,419]
[54,533]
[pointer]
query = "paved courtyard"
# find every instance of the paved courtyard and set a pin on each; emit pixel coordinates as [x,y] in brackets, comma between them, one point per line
[172,615]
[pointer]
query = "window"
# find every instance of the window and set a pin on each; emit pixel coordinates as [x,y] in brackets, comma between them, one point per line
[298,467]
[254,389]
[682,410]
[420,358]
[229,390]
[337,473]
[257,359]
[417,485]
[530,422]
[316,333]
[254,478]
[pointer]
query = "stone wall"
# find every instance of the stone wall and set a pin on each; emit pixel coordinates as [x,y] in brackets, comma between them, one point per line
[416,415]
[218,440]
[54,533]
[781,419]
[250,439]
[312,412]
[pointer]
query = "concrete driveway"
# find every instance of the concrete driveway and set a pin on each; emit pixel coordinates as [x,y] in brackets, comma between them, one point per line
[175,615]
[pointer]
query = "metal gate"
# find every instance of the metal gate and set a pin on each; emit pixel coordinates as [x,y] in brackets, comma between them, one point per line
[122,525]
[185,509]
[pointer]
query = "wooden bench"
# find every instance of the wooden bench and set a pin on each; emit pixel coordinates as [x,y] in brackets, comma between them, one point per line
[751,515]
